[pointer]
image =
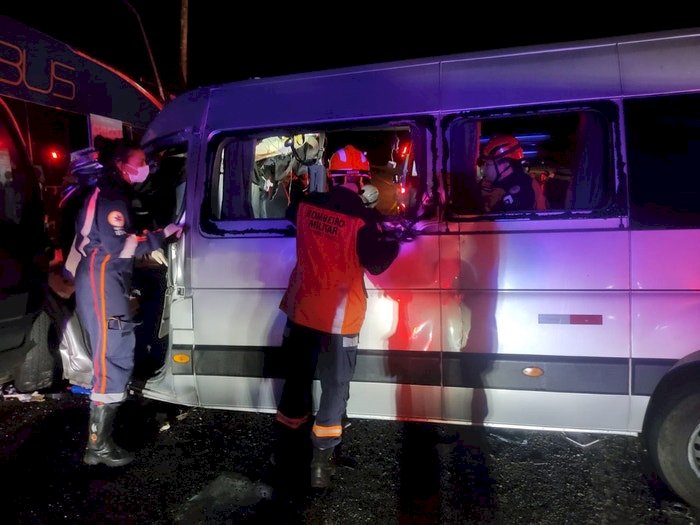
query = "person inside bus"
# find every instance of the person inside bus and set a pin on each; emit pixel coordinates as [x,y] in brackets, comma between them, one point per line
[325,302]
[505,186]
[106,244]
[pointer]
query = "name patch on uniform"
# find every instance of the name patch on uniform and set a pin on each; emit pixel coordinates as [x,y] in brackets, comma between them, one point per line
[324,222]
[116,219]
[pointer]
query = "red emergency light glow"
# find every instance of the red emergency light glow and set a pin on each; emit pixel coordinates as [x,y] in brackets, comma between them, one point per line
[54,154]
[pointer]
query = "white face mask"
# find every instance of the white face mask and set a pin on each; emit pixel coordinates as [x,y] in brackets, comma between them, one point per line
[140,175]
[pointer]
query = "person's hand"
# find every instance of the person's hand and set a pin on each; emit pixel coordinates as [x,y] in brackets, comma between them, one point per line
[61,285]
[491,197]
[159,256]
[173,229]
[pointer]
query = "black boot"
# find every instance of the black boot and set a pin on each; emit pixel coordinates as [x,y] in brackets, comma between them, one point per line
[100,447]
[291,449]
[322,467]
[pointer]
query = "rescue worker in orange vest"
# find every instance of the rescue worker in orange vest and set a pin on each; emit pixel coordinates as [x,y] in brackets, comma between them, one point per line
[338,238]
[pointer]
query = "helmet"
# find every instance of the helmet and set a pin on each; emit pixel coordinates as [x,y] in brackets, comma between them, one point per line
[84,165]
[369,195]
[348,161]
[502,147]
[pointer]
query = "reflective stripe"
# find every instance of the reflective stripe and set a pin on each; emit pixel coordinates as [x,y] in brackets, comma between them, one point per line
[107,398]
[89,219]
[324,432]
[291,422]
[96,306]
[73,259]
[129,249]
[339,318]
[103,322]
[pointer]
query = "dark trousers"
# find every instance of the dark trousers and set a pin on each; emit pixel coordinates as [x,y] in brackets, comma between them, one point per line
[102,308]
[332,357]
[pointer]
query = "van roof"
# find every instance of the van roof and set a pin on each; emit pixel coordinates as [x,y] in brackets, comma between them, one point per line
[633,65]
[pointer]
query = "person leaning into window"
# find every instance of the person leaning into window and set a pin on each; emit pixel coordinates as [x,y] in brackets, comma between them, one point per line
[505,186]
[338,238]
[104,249]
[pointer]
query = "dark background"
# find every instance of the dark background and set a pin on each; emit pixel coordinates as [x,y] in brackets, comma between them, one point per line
[238,40]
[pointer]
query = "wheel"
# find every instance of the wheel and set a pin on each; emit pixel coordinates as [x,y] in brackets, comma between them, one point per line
[39,367]
[674,443]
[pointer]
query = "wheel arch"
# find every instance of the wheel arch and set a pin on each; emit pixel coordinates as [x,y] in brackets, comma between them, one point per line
[682,378]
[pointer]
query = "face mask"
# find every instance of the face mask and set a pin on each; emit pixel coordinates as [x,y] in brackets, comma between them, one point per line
[140,176]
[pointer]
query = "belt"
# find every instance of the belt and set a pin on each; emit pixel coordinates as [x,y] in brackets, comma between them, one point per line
[118,323]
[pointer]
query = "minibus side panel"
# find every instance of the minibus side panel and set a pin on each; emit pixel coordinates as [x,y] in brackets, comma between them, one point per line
[647,67]
[666,295]
[555,300]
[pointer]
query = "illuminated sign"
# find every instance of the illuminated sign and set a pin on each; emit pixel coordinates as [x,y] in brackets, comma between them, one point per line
[38,69]
[14,67]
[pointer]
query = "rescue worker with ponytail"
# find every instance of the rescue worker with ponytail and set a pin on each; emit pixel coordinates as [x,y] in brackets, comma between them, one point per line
[338,238]
[104,249]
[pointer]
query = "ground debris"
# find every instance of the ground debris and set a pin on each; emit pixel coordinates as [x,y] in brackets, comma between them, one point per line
[10,392]
[223,498]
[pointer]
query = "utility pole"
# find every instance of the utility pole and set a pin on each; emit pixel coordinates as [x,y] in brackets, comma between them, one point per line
[184,17]
[148,48]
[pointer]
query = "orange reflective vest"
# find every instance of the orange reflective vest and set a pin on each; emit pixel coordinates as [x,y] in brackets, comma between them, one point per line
[326,290]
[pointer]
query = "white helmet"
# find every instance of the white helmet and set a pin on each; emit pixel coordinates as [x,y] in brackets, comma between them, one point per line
[370,195]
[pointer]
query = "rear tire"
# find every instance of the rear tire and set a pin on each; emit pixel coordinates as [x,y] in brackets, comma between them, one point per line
[673,442]
[38,370]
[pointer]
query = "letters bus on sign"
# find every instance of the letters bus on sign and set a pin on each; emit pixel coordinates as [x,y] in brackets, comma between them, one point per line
[62,99]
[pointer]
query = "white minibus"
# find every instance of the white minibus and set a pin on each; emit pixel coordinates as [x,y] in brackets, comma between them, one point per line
[580,314]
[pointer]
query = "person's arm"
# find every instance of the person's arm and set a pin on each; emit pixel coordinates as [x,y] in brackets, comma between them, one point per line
[375,250]
[149,242]
[112,216]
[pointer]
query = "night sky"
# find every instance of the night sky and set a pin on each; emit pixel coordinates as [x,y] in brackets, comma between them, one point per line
[227,44]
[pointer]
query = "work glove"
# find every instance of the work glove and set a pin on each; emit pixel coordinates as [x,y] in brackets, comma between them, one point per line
[159,256]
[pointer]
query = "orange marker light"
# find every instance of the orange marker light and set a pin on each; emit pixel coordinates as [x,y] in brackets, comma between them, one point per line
[533,371]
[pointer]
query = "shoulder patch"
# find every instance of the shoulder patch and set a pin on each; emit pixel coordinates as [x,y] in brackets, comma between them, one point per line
[115,218]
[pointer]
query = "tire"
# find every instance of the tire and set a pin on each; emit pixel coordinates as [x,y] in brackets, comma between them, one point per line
[38,370]
[674,443]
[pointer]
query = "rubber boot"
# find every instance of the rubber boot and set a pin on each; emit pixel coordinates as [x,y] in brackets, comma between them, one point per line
[322,467]
[290,446]
[100,447]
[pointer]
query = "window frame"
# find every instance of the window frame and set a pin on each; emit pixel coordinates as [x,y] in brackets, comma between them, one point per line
[615,199]
[664,210]
[423,126]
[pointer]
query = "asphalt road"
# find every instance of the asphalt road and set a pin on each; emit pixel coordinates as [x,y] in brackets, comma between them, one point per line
[212,466]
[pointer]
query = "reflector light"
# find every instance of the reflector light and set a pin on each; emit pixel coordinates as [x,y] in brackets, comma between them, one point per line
[181,358]
[533,371]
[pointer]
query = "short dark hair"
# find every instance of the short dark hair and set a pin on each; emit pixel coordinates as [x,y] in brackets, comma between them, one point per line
[124,149]
[117,150]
